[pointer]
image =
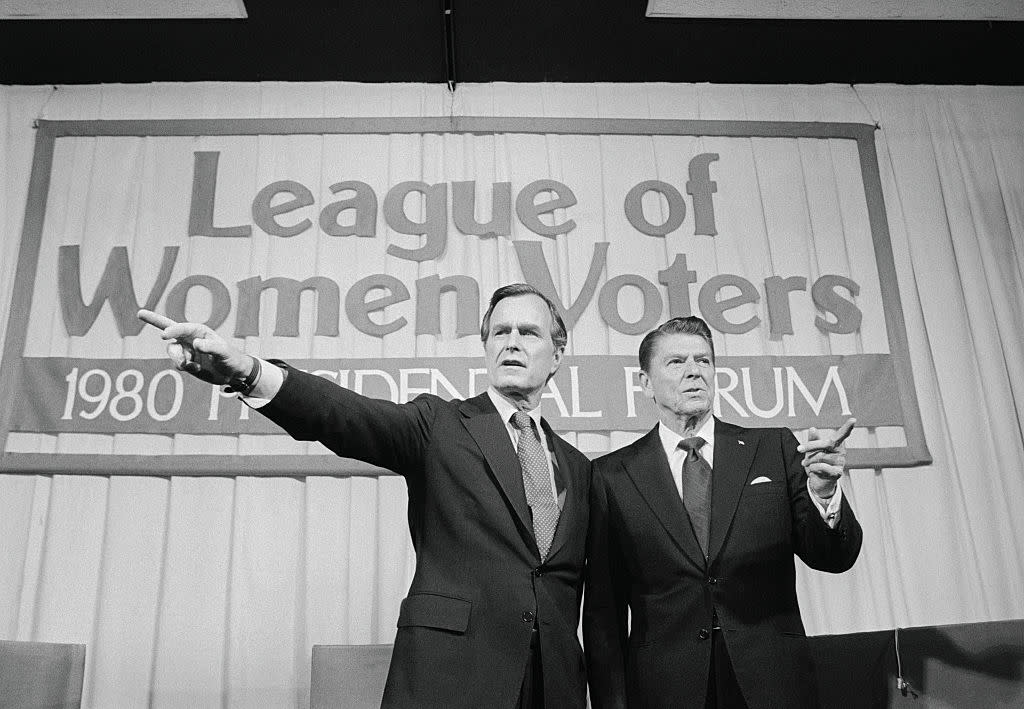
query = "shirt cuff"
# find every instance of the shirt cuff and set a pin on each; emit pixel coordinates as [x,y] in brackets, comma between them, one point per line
[829,508]
[267,386]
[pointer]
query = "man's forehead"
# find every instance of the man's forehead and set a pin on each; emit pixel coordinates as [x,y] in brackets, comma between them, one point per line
[521,308]
[682,344]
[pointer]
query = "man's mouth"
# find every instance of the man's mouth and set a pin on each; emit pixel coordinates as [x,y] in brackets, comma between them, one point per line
[511,363]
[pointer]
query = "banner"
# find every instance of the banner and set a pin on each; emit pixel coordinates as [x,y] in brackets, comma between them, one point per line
[365,250]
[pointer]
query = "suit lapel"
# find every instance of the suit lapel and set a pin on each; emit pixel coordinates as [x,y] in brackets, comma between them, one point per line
[652,477]
[734,453]
[489,432]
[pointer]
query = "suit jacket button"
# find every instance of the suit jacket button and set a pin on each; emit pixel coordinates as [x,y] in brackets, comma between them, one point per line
[529,616]
[539,571]
[703,634]
[712,580]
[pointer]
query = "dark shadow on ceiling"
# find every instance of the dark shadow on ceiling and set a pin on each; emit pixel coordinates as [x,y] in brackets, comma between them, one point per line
[524,40]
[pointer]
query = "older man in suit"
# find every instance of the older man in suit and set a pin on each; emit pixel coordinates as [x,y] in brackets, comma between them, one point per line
[497,507]
[693,529]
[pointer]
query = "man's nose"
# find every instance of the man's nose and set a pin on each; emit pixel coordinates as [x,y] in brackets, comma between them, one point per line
[512,342]
[690,368]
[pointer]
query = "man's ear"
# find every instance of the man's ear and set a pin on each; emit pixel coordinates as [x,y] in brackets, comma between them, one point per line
[645,384]
[556,361]
[557,357]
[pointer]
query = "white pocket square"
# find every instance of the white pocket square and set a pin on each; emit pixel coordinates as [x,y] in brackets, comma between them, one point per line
[762,479]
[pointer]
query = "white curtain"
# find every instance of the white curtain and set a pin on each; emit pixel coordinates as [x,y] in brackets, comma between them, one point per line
[209,591]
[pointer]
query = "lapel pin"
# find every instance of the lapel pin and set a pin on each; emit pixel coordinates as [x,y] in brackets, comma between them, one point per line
[742,443]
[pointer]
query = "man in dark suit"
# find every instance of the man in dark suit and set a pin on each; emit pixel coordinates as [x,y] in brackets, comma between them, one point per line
[693,531]
[498,507]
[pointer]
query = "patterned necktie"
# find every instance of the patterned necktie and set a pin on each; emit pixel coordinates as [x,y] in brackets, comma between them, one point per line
[536,481]
[697,489]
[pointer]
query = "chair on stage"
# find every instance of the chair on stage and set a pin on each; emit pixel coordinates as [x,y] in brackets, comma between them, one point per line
[348,676]
[46,675]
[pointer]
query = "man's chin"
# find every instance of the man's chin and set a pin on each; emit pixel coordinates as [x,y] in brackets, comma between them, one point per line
[695,412]
[515,387]
[508,385]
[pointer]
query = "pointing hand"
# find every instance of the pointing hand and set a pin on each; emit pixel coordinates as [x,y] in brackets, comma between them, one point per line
[198,350]
[825,458]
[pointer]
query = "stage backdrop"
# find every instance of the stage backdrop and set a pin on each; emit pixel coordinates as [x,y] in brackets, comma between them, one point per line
[856,250]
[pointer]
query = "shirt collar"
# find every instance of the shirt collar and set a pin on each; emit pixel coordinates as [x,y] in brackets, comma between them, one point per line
[506,408]
[670,439]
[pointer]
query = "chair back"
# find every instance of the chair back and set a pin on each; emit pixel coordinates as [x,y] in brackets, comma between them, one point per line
[348,676]
[41,675]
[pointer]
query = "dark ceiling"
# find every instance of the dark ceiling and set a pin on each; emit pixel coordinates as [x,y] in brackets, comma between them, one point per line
[524,40]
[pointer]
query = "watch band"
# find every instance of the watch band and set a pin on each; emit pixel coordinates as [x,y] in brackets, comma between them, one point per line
[244,385]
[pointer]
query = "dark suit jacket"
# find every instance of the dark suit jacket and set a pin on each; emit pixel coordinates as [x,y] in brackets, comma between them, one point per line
[464,629]
[642,553]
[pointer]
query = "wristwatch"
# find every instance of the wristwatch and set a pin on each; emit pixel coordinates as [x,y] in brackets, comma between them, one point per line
[245,385]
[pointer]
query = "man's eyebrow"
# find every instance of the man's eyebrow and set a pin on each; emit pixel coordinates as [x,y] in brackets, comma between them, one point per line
[685,355]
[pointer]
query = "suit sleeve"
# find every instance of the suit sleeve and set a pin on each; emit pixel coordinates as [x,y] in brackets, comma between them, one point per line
[821,548]
[605,602]
[392,436]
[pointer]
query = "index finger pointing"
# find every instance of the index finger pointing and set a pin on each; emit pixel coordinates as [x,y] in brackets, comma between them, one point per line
[843,433]
[155,319]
